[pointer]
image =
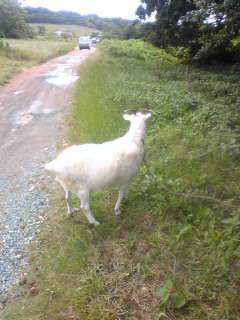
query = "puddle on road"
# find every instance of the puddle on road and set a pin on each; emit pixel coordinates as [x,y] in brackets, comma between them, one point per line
[62,80]
[25,119]
[18,92]
[47,111]
[35,106]
[60,76]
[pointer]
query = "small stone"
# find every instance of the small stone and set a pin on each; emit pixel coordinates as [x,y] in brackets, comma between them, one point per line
[3,299]
[23,280]
[33,292]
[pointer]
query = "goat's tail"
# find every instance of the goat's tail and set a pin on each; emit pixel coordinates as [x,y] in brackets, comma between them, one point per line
[51,166]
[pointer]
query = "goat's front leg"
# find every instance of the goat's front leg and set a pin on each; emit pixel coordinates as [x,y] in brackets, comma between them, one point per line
[69,202]
[121,196]
[84,196]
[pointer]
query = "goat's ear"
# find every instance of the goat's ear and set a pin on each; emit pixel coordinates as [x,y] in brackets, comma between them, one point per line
[127,117]
[148,115]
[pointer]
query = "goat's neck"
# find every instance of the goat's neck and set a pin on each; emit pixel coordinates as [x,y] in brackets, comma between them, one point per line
[136,133]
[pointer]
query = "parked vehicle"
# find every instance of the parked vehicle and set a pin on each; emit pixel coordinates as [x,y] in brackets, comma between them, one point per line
[85,43]
[94,40]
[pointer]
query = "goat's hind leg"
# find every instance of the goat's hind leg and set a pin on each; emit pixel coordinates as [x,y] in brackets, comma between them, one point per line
[84,196]
[68,198]
[121,196]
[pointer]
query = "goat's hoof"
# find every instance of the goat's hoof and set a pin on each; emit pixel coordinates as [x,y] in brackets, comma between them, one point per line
[95,223]
[71,214]
[117,212]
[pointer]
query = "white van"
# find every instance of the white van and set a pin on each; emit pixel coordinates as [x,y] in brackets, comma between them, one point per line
[84,43]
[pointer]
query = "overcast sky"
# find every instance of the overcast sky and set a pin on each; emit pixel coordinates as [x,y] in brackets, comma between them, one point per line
[103,8]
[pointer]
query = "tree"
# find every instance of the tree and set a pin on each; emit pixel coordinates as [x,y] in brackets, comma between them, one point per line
[12,20]
[168,14]
[141,13]
[41,30]
[218,26]
[206,27]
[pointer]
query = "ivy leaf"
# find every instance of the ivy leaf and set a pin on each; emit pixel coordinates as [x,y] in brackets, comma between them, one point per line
[178,300]
[164,291]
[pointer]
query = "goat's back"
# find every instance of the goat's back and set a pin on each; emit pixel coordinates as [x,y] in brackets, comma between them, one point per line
[99,166]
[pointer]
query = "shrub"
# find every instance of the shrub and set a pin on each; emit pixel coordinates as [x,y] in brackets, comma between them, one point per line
[137,49]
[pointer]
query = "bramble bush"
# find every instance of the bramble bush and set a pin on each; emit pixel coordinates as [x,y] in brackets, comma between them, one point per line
[137,49]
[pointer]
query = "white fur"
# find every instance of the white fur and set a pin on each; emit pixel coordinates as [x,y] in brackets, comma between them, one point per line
[94,167]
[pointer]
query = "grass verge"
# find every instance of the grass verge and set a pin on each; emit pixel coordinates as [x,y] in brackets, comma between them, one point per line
[174,253]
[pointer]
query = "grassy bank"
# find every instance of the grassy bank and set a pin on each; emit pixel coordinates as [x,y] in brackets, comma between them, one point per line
[18,54]
[174,253]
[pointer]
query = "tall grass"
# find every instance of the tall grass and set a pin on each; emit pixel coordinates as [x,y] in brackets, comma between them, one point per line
[174,253]
[37,50]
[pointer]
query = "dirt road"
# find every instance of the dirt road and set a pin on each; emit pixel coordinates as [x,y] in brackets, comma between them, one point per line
[32,106]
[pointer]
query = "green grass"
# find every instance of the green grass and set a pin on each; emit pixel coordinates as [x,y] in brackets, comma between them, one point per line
[174,252]
[40,50]
[18,54]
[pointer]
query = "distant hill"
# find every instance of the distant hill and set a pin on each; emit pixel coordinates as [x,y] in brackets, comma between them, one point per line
[43,15]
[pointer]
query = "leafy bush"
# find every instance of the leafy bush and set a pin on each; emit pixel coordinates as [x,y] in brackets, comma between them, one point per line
[137,49]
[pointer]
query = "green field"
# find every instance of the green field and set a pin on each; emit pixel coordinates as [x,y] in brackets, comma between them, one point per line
[174,252]
[40,50]
[76,31]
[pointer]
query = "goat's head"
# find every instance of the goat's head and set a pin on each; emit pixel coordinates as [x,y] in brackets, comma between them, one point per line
[132,115]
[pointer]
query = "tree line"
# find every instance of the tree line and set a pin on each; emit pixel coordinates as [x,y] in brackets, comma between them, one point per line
[43,15]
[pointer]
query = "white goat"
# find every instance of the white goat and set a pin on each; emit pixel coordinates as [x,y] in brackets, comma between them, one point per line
[94,167]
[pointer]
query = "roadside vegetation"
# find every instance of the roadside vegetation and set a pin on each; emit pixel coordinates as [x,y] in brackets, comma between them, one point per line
[174,252]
